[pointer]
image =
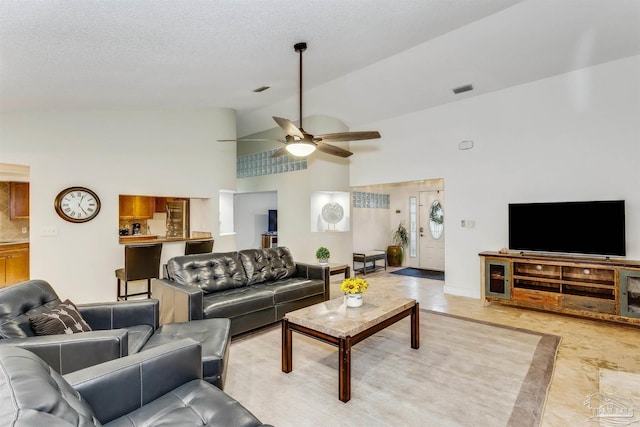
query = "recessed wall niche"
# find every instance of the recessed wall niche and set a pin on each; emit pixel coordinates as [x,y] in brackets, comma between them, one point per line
[330,211]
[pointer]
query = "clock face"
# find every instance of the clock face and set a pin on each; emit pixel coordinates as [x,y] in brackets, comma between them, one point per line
[77,204]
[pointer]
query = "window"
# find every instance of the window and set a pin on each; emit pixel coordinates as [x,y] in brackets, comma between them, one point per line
[413,227]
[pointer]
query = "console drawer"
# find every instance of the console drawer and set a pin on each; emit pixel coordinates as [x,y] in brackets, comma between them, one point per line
[545,299]
[573,302]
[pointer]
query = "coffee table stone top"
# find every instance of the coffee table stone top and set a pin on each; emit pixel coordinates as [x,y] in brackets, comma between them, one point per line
[334,318]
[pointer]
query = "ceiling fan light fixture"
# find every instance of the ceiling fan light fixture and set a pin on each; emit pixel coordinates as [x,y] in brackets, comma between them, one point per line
[301,148]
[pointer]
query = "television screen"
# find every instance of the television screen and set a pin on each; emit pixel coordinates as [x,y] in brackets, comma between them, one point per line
[273,221]
[595,228]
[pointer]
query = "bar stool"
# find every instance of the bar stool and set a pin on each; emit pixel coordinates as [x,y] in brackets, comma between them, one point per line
[198,247]
[140,262]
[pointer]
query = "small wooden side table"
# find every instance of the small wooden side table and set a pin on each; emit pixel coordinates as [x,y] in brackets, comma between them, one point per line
[335,268]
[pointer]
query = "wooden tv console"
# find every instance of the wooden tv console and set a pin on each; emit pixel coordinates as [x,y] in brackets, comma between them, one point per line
[600,288]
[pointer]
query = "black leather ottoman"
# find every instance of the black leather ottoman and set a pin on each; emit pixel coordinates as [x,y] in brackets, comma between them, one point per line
[214,335]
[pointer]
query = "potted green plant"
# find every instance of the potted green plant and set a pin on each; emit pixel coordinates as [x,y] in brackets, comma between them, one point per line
[323,255]
[395,251]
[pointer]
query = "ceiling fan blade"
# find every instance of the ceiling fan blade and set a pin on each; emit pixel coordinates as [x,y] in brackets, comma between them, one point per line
[288,127]
[280,152]
[253,140]
[347,136]
[332,149]
[248,140]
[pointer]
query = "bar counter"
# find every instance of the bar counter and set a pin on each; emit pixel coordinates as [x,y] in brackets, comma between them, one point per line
[152,238]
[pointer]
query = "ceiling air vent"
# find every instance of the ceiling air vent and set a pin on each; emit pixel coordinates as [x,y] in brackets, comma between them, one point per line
[461,89]
[261,89]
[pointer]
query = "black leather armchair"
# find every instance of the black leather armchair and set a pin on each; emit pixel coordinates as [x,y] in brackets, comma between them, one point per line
[159,386]
[119,328]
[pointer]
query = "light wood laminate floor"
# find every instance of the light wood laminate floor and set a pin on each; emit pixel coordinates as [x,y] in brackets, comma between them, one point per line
[589,351]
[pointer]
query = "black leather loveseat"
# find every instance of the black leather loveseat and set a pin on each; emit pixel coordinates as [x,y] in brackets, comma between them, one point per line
[161,386]
[252,287]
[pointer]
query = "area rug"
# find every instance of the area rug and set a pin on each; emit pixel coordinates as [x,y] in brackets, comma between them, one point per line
[465,373]
[421,273]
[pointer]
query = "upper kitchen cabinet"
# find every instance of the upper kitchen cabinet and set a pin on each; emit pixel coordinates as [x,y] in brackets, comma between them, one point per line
[136,207]
[161,203]
[18,200]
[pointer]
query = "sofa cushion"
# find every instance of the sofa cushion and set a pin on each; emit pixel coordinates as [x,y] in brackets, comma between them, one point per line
[21,302]
[211,272]
[33,394]
[263,265]
[137,336]
[63,319]
[236,302]
[194,403]
[294,288]
[214,337]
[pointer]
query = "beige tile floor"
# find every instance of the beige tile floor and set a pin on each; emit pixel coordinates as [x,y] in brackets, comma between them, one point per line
[588,348]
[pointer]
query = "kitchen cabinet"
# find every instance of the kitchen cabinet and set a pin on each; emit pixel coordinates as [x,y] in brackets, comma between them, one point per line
[18,200]
[136,207]
[14,264]
[161,203]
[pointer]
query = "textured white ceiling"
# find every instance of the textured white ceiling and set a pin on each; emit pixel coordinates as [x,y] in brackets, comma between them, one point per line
[367,59]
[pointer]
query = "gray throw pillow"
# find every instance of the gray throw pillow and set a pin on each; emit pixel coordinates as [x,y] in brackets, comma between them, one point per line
[64,319]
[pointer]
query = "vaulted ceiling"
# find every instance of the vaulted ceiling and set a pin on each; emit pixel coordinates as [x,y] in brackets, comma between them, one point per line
[367,60]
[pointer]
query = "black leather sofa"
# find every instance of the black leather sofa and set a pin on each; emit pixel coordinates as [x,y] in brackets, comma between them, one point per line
[252,287]
[161,386]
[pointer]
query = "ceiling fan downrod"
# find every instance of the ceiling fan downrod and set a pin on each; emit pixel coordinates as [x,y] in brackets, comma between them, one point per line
[300,47]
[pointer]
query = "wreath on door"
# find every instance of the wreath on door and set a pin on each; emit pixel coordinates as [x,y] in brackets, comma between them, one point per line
[436,219]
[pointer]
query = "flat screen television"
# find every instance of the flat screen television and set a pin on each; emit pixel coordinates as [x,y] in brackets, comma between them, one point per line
[594,228]
[273,221]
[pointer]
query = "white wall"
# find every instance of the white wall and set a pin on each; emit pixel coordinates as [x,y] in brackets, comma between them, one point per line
[571,137]
[113,152]
[323,173]
[251,214]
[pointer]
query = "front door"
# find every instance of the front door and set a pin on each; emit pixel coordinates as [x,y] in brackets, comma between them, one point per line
[431,231]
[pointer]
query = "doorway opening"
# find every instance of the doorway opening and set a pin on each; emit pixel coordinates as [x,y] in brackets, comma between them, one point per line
[412,204]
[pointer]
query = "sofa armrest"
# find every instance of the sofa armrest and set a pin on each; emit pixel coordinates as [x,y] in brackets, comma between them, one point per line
[315,271]
[178,303]
[121,386]
[122,314]
[69,352]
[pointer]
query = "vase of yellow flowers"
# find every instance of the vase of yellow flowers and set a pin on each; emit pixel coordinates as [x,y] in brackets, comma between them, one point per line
[353,289]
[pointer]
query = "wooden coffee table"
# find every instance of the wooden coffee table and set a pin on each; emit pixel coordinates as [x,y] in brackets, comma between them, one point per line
[335,323]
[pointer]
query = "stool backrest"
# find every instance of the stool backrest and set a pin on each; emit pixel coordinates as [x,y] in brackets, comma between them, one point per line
[142,261]
[198,247]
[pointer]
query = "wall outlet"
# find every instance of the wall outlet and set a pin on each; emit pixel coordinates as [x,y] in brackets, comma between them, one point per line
[462,223]
[471,223]
[49,231]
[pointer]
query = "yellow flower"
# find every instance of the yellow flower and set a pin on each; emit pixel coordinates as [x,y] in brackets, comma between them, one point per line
[354,285]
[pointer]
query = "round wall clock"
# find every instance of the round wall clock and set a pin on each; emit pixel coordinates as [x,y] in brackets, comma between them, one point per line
[77,204]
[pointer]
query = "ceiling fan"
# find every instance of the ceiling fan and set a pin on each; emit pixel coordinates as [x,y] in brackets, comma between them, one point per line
[300,143]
